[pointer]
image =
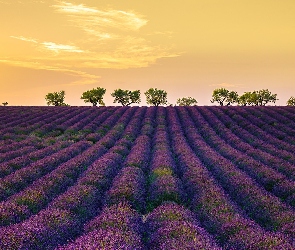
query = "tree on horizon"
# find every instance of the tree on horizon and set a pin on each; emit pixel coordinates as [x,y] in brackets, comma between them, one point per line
[291,101]
[94,96]
[224,97]
[186,101]
[126,97]
[156,97]
[56,98]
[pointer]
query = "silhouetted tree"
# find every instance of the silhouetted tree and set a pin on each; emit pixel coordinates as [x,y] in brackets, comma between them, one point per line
[56,98]
[232,98]
[126,97]
[257,98]
[223,96]
[186,101]
[262,97]
[4,103]
[245,99]
[94,96]
[291,101]
[156,97]
[219,95]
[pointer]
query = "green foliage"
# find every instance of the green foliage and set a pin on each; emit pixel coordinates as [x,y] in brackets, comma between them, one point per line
[126,97]
[262,97]
[223,96]
[245,99]
[232,97]
[257,98]
[4,103]
[56,98]
[186,101]
[291,101]
[94,96]
[219,95]
[156,97]
[162,171]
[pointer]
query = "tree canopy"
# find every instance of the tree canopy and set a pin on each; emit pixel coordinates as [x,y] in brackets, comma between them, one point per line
[291,101]
[186,101]
[94,96]
[264,96]
[4,103]
[257,98]
[126,97]
[224,97]
[156,97]
[246,99]
[56,98]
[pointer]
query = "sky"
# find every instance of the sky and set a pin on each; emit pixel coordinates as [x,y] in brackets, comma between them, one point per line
[187,48]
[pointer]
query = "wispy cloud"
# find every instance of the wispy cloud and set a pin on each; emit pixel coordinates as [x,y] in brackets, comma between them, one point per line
[61,47]
[71,8]
[37,64]
[25,39]
[51,46]
[117,35]
[90,18]
[113,39]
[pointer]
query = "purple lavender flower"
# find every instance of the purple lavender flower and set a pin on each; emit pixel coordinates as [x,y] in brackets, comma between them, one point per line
[42,231]
[172,227]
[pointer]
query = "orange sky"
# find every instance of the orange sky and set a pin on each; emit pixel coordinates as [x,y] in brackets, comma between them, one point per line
[187,48]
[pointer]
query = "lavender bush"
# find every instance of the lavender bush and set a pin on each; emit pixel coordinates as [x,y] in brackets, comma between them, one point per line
[147,178]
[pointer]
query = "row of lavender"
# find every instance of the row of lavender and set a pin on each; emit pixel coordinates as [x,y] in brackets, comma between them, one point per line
[24,127]
[115,190]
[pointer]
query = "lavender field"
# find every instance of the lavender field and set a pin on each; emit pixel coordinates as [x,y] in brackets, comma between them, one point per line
[147,178]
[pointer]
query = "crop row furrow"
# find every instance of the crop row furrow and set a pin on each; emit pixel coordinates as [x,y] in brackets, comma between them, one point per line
[11,145]
[39,118]
[60,123]
[281,116]
[117,227]
[8,167]
[129,183]
[126,190]
[37,195]
[287,112]
[78,199]
[23,203]
[164,184]
[13,154]
[169,225]
[147,178]
[260,124]
[271,120]
[18,180]
[217,213]
[172,226]
[98,177]
[16,116]
[270,179]
[258,148]
[260,205]
[34,126]
[250,132]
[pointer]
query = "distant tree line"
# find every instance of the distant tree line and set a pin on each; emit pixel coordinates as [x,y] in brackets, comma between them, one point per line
[154,97]
[157,97]
[255,98]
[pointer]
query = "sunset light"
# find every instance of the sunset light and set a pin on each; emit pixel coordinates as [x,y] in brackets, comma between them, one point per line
[186,48]
[147,125]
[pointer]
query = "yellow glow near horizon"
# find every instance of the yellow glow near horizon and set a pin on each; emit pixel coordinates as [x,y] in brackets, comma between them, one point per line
[198,45]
